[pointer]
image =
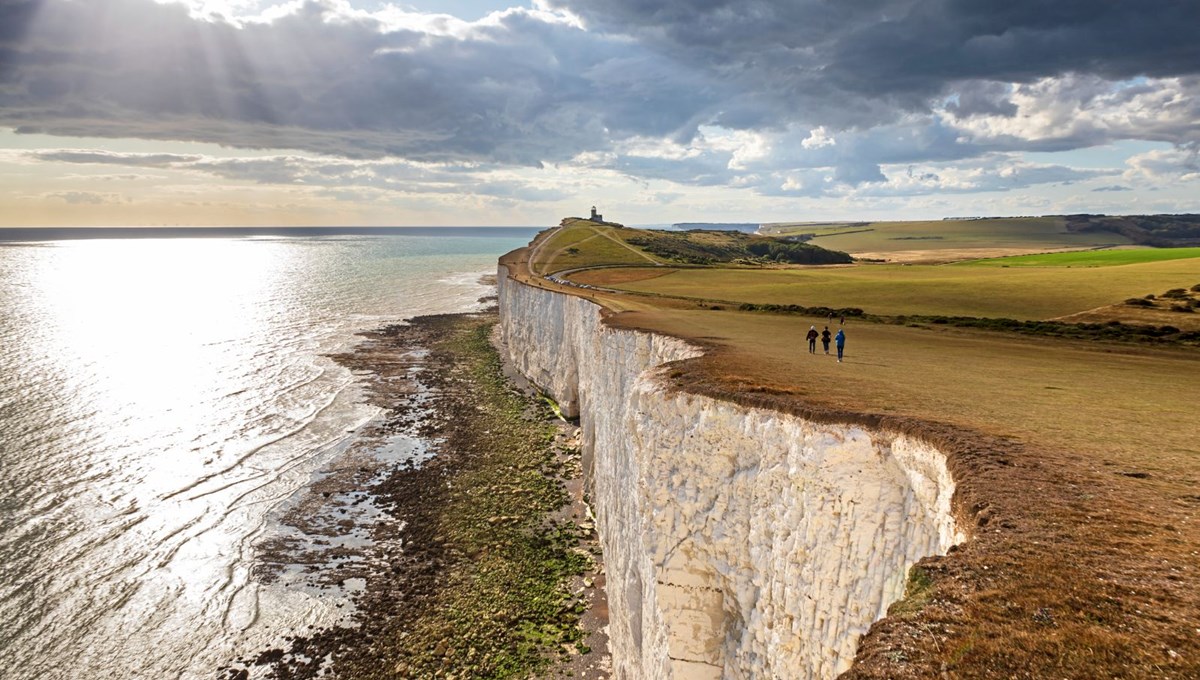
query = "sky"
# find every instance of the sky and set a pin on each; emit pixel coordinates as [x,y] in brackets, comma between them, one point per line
[483,112]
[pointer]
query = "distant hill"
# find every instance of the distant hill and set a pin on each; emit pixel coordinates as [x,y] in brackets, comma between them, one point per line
[1160,231]
[746,227]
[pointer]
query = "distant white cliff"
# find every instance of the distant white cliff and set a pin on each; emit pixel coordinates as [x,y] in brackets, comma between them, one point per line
[739,542]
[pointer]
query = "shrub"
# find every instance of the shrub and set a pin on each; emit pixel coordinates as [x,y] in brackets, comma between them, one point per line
[1139,302]
[1182,308]
[1149,297]
[1196,288]
[800,309]
[1175,293]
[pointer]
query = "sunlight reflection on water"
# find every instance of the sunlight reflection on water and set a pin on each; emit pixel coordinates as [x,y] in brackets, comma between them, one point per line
[158,399]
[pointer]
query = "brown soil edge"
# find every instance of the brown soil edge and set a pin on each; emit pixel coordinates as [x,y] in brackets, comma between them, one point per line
[442,594]
[1065,573]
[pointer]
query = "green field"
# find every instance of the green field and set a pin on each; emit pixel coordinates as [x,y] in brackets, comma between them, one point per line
[1027,234]
[1089,258]
[1016,293]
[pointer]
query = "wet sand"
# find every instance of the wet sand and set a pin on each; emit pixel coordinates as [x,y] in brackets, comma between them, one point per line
[454,524]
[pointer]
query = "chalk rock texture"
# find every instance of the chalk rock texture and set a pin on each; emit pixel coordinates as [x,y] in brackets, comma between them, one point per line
[739,542]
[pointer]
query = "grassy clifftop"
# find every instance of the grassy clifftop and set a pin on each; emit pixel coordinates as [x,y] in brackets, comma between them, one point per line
[1076,460]
[582,243]
[719,247]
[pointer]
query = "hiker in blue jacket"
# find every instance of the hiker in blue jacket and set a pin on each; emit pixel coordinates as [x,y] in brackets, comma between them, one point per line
[840,341]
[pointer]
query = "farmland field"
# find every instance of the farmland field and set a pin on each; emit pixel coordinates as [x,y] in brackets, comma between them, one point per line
[941,240]
[1090,258]
[1016,293]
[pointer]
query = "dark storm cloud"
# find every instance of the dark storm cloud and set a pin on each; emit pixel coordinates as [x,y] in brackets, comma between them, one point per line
[940,41]
[519,90]
[987,98]
[882,56]
[902,81]
[890,82]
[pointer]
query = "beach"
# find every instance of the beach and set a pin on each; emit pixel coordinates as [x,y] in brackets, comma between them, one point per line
[476,558]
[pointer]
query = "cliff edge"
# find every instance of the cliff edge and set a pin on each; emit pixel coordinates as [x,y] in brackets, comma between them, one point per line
[949,503]
[740,542]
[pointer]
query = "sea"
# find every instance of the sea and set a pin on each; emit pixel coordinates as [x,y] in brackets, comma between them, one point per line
[161,400]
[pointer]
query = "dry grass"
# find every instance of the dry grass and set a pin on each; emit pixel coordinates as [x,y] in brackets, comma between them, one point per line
[943,240]
[1050,393]
[583,243]
[1018,293]
[1160,315]
[1078,467]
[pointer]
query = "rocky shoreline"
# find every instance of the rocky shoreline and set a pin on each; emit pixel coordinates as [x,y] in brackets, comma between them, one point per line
[455,525]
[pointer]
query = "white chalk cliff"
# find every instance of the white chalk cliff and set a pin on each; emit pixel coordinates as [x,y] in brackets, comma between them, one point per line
[739,542]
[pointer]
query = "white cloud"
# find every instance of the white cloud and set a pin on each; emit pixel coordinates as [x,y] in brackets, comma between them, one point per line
[1179,164]
[817,138]
[86,197]
[1074,111]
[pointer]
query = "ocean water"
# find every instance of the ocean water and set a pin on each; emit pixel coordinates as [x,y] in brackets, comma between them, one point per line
[160,400]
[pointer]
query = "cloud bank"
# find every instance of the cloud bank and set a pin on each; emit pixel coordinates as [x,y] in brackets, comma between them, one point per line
[782,98]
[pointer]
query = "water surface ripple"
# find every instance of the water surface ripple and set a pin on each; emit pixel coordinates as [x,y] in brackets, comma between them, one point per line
[159,398]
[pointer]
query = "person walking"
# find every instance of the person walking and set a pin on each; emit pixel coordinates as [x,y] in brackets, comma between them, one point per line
[840,341]
[812,339]
[825,336]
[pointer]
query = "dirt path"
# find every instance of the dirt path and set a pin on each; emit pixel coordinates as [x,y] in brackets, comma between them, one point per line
[628,247]
[564,249]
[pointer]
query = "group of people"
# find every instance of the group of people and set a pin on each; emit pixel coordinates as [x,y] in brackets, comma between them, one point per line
[839,340]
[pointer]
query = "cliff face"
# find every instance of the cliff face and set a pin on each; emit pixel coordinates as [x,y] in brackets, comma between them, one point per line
[739,542]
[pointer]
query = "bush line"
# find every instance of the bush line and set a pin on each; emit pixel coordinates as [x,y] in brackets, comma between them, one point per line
[1111,330]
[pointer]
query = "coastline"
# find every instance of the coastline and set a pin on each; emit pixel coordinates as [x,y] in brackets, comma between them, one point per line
[454,523]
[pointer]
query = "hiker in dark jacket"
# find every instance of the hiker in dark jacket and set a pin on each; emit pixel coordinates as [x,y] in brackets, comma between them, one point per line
[840,340]
[825,336]
[812,339]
